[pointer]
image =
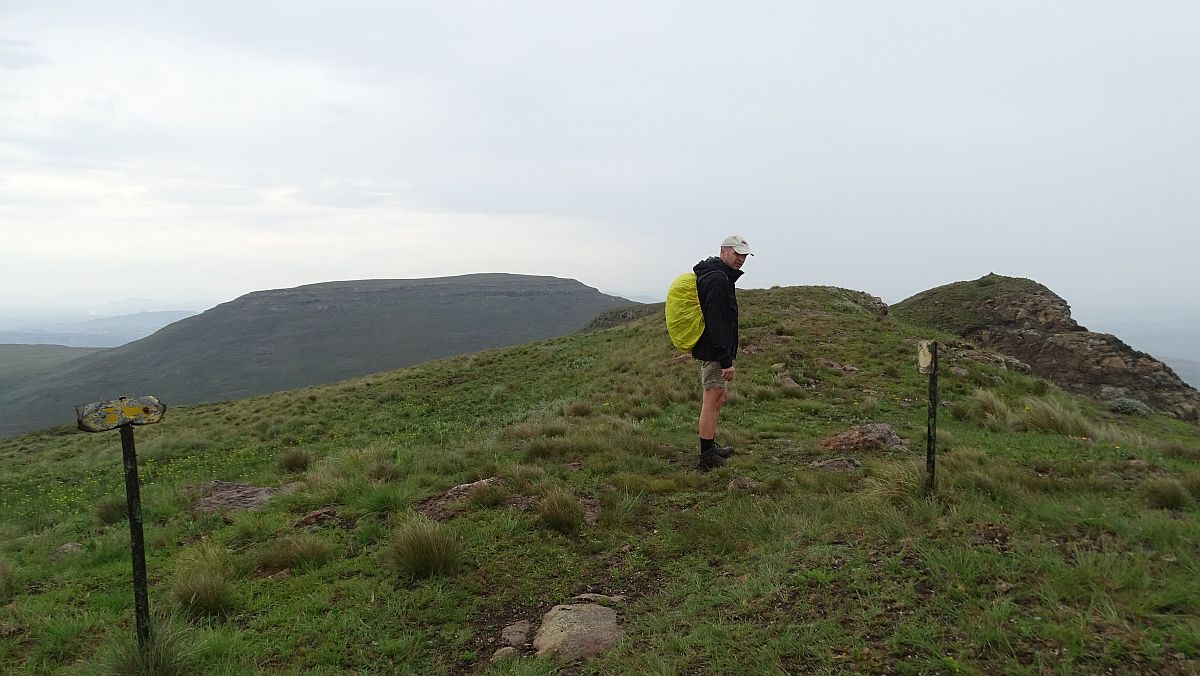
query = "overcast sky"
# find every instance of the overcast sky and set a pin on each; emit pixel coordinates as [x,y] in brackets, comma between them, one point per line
[196,151]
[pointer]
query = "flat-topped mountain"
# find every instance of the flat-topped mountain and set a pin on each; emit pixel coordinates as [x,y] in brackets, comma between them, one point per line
[1026,320]
[269,341]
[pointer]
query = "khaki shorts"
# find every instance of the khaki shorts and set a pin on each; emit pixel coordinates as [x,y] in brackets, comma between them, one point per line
[710,376]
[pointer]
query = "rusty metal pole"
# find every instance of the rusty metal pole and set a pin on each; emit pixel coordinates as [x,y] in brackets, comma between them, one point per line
[136,541]
[931,426]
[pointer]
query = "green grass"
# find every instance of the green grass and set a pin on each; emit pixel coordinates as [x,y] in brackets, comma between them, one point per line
[1043,549]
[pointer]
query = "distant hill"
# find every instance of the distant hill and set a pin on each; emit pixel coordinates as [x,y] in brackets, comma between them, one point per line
[269,341]
[1024,319]
[99,332]
[20,364]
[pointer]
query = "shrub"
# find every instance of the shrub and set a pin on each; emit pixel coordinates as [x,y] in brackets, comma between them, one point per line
[169,652]
[295,551]
[560,510]
[204,592]
[111,509]
[1127,406]
[1166,494]
[423,548]
[294,460]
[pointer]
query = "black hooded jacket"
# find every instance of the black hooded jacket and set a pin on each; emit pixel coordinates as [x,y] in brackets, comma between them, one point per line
[718,302]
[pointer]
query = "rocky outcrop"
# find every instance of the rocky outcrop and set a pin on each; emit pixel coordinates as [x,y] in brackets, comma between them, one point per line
[1025,320]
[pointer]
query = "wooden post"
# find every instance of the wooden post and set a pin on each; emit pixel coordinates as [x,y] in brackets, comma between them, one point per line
[123,414]
[927,360]
[137,544]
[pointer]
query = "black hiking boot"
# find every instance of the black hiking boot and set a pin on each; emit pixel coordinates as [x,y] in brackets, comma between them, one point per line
[724,451]
[710,460]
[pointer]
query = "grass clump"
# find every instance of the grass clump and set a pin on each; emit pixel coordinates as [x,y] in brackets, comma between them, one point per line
[560,510]
[1166,494]
[295,551]
[620,507]
[169,652]
[1051,415]
[487,495]
[8,580]
[111,509]
[422,548]
[294,460]
[202,587]
[204,593]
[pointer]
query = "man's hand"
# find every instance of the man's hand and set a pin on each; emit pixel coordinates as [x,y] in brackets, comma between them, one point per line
[727,374]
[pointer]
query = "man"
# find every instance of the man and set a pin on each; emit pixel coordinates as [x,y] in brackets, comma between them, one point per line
[717,347]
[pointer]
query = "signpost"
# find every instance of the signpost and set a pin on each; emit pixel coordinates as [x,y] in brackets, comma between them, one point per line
[927,362]
[123,414]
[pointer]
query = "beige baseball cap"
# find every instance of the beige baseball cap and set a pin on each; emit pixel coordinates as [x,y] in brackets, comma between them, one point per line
[738,244]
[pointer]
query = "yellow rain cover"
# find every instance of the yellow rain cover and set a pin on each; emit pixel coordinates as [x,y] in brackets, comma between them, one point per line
[685,321]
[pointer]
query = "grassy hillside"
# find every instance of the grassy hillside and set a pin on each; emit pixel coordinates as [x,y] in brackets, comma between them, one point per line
[1061,538]
[281,339]
[21,363]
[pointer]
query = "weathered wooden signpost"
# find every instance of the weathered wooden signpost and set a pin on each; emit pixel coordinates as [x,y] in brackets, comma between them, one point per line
[123,414]
[927,362]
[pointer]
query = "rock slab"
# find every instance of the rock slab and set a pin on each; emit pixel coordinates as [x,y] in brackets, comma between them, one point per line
[876,436]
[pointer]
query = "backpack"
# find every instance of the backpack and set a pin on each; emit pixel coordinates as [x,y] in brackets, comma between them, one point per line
[685,319]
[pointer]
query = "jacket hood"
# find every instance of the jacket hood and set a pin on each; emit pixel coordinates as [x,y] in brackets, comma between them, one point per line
[715,263]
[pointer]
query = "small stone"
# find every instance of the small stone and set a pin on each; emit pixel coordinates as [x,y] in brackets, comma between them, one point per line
[67,549]
[776,368]
[837,464]
[516,633]
[504,653]
[743,483]
[318,516]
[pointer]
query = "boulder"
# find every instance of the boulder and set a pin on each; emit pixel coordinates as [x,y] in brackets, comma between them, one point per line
[577,630]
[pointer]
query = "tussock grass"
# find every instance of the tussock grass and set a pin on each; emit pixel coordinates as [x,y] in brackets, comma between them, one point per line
[301,550]
[422,548]
[1166,494]
[895,482]
[294,460]
[619,508]
[112,509]
[204,592]
[1052,415]
[61,638]
[560,510]
[171,651]
[8,579]
[487,495]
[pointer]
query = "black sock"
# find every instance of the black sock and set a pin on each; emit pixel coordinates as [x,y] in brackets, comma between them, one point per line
[707,444]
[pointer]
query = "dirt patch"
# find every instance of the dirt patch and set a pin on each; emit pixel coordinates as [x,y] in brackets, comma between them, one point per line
[222,496]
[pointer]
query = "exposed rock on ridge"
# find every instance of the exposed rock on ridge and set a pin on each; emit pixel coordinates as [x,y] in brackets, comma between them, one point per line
[1026,320]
